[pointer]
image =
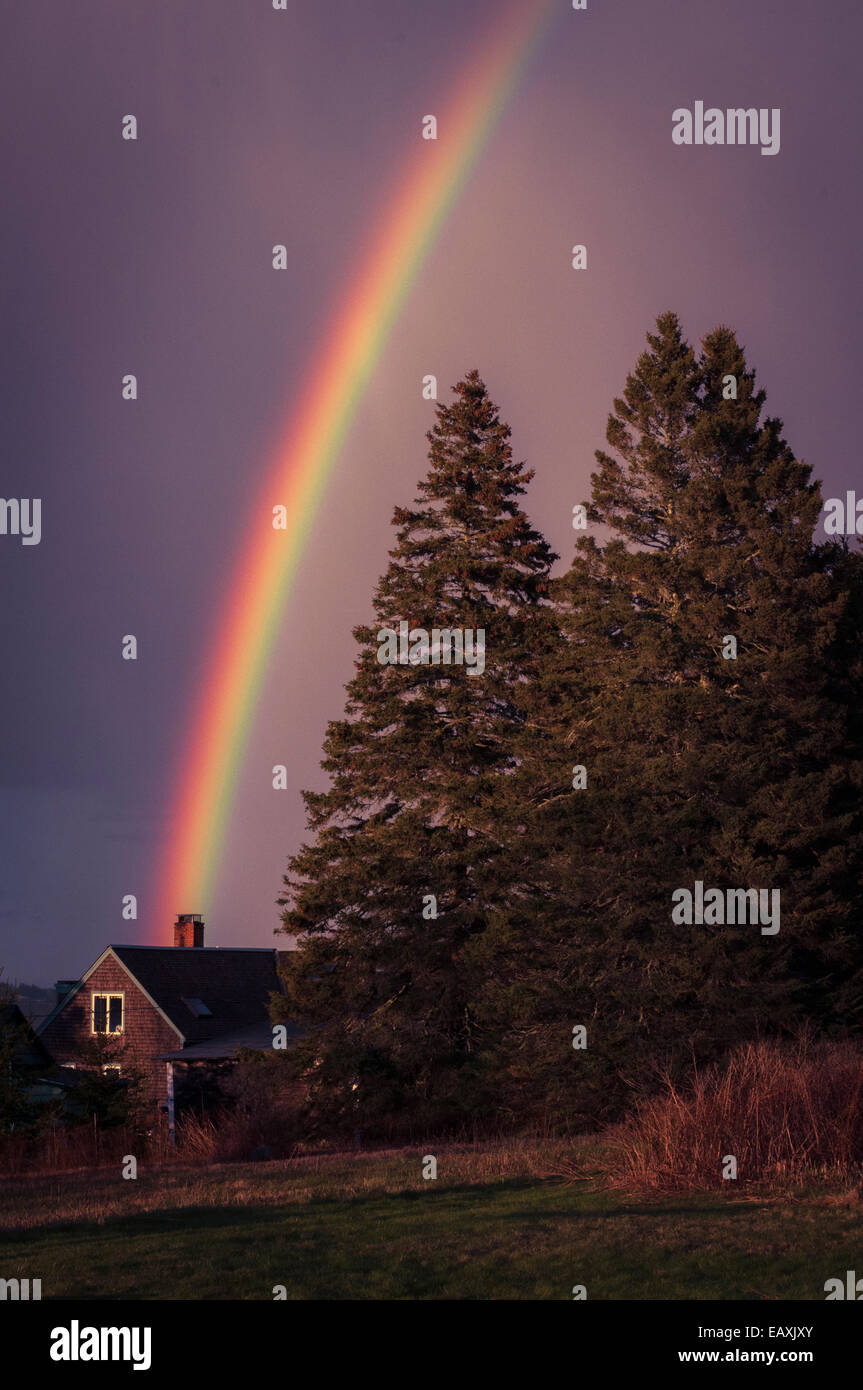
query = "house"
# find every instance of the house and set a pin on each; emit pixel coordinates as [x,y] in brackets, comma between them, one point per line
[28,1055]
[172,1007]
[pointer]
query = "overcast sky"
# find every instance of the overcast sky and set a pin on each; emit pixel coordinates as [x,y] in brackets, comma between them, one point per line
[258,127]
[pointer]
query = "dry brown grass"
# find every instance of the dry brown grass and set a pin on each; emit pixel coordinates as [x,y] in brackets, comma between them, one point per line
[233,1136]
[788,1113]
[65,1148]
[230,1136]
[103,1195]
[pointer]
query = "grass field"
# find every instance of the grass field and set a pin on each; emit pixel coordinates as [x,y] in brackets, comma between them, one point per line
[495,1224]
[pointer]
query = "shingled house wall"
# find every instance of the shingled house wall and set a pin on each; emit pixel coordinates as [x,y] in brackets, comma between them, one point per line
[145,1031]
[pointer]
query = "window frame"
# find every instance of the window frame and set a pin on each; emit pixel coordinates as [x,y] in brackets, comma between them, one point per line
[108,995]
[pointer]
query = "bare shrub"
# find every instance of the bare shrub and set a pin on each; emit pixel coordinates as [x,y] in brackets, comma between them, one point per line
[787,1112]
[259,1116]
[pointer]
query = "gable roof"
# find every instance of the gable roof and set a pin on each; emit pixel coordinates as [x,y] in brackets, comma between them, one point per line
[79,985]
[29,1050]
[235,983]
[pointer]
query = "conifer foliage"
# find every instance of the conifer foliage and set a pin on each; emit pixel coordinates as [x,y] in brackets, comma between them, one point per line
[412,850]
[466,906]
[733,763]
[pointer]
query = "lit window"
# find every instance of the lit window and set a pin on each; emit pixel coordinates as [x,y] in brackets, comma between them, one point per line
[107,1013]
[111,1071]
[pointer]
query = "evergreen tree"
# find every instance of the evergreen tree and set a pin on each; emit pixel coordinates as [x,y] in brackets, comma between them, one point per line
[110,1084]
[740,773]
[16,1109]
[400,899]
[792,793]
[742,769]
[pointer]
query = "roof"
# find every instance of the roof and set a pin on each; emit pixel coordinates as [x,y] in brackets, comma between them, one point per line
[235,984]
[258,1037]
[29,1050]
[69,1082]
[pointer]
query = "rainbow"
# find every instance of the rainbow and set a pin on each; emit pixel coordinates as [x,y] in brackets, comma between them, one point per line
[305,457]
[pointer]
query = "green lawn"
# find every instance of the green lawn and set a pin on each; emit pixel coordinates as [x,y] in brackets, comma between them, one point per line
[513,1238]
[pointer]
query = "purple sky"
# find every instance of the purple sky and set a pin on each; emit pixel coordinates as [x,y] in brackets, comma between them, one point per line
[257,127]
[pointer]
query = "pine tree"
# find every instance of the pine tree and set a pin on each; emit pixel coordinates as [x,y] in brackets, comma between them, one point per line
[792,796]
[399,898]
[736,772]
[16,1108]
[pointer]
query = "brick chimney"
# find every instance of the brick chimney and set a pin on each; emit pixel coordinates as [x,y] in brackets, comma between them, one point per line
[189,929]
